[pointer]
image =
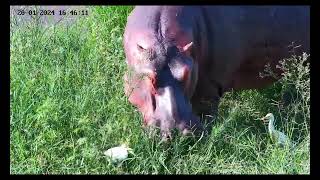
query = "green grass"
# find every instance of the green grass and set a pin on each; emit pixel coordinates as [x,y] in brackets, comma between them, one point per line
[68,106]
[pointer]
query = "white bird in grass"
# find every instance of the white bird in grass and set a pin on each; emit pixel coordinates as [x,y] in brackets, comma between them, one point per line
[119,153]
[276,136]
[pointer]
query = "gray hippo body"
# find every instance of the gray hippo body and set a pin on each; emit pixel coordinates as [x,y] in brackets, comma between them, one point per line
[192,55]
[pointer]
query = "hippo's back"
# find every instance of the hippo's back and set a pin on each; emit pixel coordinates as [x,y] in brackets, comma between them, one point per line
[243,39]
[238,24]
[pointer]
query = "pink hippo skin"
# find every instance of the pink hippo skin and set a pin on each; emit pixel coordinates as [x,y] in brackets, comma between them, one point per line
[189,56]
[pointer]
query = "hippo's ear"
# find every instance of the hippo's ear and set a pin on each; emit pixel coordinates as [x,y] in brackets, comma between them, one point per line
[186,49]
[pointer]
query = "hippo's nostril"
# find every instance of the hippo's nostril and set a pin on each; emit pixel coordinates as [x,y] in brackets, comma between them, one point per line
[153,102]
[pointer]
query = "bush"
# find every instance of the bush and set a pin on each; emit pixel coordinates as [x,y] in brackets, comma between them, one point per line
[294,105]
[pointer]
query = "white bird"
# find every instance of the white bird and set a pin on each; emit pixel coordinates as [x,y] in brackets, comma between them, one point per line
[119,153]
[276,136]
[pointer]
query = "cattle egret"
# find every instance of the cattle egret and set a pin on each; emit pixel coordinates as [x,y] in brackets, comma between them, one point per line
[119,153]
[276,136]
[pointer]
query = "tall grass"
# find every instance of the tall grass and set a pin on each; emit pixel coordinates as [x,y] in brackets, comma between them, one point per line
[68,106]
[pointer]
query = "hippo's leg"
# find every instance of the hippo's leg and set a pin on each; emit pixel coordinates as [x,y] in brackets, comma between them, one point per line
[205,103]
[208,110]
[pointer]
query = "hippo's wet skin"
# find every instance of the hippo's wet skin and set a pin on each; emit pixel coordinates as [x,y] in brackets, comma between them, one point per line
[190,56]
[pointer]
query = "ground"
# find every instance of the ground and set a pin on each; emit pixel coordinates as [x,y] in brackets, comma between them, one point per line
[68,106]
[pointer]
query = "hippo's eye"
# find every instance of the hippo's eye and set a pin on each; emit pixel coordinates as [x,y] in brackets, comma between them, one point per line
[140,48]
[172,51]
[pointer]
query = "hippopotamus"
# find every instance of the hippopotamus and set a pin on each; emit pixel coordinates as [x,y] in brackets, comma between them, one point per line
[182,59]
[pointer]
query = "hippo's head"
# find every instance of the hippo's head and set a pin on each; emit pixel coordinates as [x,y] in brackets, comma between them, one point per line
[161,79]
[160,82]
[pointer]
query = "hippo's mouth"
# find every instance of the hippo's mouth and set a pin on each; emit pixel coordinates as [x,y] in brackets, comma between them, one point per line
[171,110]
[163,102]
